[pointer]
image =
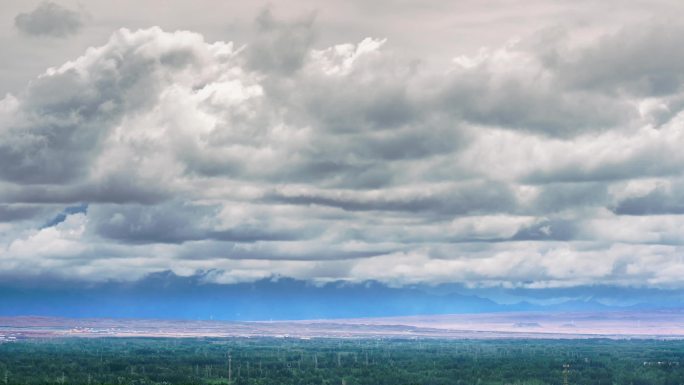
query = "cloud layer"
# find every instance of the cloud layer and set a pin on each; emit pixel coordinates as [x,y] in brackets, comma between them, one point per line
[549,161]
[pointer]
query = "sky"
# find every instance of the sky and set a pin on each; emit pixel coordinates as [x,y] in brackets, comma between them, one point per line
[497,145]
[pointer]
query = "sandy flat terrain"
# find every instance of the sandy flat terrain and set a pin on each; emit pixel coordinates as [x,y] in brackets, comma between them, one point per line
[660,324]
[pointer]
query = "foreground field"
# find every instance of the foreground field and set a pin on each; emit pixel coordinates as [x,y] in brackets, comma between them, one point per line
[262,361]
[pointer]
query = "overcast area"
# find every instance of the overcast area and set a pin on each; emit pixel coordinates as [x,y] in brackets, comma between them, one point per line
[526,144]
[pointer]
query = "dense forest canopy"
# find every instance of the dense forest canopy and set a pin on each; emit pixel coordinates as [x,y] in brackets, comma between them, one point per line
[266,361]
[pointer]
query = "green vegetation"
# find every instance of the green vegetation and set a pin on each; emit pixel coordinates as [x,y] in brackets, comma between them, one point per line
[269,361]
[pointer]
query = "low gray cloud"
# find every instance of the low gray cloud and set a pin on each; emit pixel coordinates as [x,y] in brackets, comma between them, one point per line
[12,213]
[546,230]
[49,19]
[113,188]
[177,222]
[280,46]
[659,201]
[482,97]
[629,60]
[557,197]
[471,198]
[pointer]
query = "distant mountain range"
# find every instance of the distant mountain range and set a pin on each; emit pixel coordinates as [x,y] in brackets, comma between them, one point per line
[168,296]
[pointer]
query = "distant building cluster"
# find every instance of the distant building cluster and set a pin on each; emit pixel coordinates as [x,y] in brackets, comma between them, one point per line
[7,338]
[661,363]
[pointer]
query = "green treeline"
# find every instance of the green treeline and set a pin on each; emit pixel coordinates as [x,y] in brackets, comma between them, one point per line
[272,361]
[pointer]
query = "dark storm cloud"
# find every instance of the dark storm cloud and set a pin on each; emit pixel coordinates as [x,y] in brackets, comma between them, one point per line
[49,19]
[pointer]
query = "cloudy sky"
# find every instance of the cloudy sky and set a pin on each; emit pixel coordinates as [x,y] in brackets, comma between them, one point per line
[505,143]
